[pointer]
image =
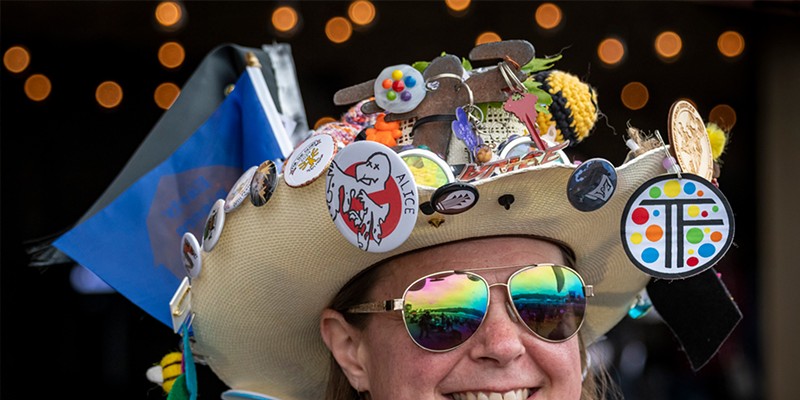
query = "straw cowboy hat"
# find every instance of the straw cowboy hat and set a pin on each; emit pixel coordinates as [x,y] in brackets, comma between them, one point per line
[277,261]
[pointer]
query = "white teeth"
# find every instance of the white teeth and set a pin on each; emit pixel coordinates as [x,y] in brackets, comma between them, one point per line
[519,394]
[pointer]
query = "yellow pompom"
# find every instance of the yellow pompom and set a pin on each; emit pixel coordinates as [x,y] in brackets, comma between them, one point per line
[718,139]
[171,369]
[574,108]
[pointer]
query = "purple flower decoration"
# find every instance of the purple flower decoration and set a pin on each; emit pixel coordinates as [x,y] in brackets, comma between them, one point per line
[463,130]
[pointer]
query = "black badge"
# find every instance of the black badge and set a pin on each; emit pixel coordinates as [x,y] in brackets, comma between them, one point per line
[592,184]
[454,198]
[263,184]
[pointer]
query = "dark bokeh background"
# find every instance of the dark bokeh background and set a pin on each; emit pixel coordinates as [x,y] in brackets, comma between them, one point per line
[60,154]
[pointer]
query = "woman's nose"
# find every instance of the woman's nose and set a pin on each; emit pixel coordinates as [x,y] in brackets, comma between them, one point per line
[499,339]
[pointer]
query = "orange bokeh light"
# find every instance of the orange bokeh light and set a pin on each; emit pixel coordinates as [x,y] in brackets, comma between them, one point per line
[361,12]
[457,5]
[338,29]
[169,13]
[16,59]
[723,115]
[730,43]
[108,94]
[487,37]
[284,18]
[165,94]
[37,87]
[548,16]
[611,51]
[171,55]
[635,95]
[668,44]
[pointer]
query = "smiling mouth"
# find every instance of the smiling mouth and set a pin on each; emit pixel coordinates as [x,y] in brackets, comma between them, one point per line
[519,394]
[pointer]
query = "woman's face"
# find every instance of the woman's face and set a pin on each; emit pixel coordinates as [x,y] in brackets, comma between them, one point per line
[501,357]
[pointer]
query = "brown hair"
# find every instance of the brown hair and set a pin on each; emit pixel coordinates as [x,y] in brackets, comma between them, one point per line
[597,383]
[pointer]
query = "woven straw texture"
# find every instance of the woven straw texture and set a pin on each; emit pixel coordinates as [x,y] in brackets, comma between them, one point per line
[274,269]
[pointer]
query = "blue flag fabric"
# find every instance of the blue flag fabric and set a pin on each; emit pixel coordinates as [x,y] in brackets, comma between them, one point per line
[134,243]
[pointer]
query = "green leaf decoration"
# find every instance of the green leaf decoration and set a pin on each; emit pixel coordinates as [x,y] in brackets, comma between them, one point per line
[420,65]
[466,64]
[540,64]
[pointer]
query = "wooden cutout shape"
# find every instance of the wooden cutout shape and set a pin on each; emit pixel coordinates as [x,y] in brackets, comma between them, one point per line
[486,86]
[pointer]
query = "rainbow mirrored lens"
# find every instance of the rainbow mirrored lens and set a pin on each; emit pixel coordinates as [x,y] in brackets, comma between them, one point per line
[443,310]
[550,300]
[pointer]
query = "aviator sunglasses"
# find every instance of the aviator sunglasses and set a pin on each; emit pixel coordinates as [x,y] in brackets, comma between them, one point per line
[444,309]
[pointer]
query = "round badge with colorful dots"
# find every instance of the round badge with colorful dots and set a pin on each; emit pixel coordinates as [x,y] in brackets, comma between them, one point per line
[676,228]
[399,88]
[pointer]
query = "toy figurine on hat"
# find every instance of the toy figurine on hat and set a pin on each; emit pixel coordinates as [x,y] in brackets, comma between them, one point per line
[439,155]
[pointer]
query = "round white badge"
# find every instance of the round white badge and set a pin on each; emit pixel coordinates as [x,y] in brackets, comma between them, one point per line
[213,227]
[240,190]
[372,197]
[309,160]
[399,88]
[676,228]
[190,254]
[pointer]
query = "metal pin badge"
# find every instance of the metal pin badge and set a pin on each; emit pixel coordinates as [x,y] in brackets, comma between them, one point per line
[190,254]
[240,190]
[428,168]
[371,196]
[263,184]
[214,224]
[309,160]
[454,198]
[592,184]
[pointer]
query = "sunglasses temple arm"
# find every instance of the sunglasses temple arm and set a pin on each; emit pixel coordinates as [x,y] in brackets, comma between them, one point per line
[377,307]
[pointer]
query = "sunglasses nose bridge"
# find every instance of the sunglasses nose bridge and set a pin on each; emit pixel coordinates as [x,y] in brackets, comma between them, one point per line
[512,313]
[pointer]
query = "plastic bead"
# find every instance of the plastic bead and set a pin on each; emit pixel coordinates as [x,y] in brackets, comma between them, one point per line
[387,83]
[397,74]
[671,165]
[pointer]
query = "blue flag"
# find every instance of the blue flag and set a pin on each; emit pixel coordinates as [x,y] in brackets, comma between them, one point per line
[134,243]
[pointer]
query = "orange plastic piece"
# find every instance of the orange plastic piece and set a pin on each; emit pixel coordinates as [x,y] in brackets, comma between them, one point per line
[385,133]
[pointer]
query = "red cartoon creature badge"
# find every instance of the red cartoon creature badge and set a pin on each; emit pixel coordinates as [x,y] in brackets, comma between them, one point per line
[372,197]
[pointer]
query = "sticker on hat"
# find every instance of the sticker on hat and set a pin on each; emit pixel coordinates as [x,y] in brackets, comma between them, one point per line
[371,196]
[399,88]
[264,181]
[214,224]
[428,168]
[676,227]
[309,160]
[240,190]
[190,254]
[592,184]
[454,198]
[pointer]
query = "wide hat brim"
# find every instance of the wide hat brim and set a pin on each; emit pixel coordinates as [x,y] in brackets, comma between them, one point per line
[262,288]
